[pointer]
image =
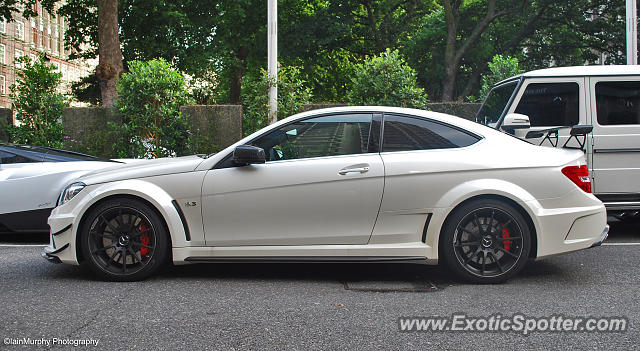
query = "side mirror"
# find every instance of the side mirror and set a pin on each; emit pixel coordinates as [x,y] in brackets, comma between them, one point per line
[513,121]
[247,154]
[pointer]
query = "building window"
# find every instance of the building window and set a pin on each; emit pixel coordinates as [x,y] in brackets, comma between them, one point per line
[20,30]
[3,26]
[18,53]
[3,54]
[2,84]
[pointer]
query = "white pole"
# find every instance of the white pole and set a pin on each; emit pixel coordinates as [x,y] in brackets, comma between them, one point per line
[632,33]
[272,57]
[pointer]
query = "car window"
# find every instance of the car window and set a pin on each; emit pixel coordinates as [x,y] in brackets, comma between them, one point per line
[10,158]
[403,133]
[551,104]
[495,103]
[618,102]
[318,137]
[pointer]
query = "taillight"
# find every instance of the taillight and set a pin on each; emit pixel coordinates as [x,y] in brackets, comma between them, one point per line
[579,175]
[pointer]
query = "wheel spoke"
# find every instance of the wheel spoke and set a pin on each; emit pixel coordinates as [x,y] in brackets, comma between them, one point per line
[472,256]
[507,252]
[142,245]
[104,248]
[113,229]
[124,260]
[484,261]
[138,233]
[510,238]
[466,243]
[469,231]
[477,223]
[112,257]
[495,259]
[493,212]
[133,254]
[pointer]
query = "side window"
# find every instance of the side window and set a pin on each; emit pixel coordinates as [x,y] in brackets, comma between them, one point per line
[551,104]
[402,133]
[9,158]
[618,102]
[318,137]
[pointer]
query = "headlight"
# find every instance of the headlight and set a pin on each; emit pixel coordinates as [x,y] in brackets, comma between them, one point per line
[70,192]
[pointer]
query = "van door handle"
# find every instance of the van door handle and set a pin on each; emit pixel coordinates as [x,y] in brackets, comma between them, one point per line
[346,171]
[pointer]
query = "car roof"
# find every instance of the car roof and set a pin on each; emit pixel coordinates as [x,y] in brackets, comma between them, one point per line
[579,71]
[437,116]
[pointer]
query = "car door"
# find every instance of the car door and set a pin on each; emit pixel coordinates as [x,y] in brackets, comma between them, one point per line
[322,184]
[615,161]
[551,103]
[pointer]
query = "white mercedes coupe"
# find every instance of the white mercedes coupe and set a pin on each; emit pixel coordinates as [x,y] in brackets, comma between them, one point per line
[348,184]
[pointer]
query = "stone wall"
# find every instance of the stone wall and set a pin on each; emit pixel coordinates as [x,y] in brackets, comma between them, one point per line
[217,126]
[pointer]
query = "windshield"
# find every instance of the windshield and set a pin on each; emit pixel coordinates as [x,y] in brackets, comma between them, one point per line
[495,103]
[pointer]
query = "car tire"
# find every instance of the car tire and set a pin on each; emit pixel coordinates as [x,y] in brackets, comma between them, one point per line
[123,239]
[485,241]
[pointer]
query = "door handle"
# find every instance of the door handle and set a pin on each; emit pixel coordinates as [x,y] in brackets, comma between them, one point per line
[346,171]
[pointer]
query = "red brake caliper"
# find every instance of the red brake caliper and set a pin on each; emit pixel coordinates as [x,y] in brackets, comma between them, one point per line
[505,234]
[144,239]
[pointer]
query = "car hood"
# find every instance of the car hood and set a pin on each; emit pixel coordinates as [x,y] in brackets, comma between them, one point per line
[144,168]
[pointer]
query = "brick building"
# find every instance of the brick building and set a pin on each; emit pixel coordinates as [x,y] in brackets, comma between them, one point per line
[43,34]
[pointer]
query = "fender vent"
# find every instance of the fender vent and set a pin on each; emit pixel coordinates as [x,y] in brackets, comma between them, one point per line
[183,220]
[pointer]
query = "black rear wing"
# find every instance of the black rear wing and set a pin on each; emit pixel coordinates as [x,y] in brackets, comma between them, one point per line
[578,133]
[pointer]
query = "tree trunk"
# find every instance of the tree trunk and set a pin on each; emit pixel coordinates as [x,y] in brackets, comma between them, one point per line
[237,73]
[110,56]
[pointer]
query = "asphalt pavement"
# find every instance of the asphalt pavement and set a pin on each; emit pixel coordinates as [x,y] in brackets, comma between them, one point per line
[313,306]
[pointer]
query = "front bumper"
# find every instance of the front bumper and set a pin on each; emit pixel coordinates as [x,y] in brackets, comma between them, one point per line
[61,248]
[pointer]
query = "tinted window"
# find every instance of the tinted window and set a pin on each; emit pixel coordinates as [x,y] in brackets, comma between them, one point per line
[403,133]
[550,104]
[495,103]
[318,137]
[618,102]
[9,158]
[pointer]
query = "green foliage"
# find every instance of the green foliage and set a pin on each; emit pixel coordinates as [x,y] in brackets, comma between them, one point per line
[38,104]
[386,80]
[293,94]
[149,99]
[500,69]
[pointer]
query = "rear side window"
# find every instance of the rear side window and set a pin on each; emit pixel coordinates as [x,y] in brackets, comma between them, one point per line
[551,104]
[10,158]
[618,103]
[403,133]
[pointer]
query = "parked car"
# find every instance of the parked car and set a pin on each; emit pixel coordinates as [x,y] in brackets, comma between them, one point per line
[31,178]
[553,100]
[349,184]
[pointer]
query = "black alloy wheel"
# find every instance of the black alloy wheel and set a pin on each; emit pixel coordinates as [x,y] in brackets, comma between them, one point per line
[485,241]
[124,240]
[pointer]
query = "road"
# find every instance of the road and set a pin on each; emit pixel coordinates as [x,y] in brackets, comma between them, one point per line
[315,306]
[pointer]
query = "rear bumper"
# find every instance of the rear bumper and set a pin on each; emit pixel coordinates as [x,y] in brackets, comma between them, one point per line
[603,237]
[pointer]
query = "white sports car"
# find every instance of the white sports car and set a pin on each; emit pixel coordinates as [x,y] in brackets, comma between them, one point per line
[347,184]
[31,178]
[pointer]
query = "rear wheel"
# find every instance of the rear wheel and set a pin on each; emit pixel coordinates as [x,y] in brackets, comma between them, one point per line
[124,240]
[485,241]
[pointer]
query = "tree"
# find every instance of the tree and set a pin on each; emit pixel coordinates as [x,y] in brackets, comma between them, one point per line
[150,96]
[38,104]
[386,80]
[110,57]
[501,68]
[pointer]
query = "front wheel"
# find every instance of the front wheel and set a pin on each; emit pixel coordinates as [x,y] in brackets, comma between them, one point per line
[123,240]
[485,241]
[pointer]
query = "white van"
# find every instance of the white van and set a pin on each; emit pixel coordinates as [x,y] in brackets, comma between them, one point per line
[541,107]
